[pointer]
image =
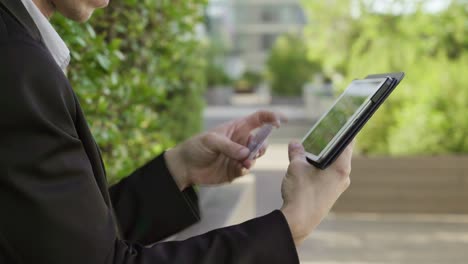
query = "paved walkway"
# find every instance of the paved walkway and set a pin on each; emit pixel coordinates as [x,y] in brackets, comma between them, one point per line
[390,239]
[353,238]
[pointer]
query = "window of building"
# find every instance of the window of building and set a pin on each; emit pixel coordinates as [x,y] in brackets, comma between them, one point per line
[269,14]
[267,41]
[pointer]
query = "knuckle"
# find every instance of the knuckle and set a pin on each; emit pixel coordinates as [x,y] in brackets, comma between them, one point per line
[208,137]
[295,163]
[343,172]
[264,114]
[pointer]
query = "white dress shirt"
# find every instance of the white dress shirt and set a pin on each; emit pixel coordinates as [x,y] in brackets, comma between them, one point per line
[51,38]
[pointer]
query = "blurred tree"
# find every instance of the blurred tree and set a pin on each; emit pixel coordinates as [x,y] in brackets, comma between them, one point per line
[426,114]
[216,76]
[288,66]
[137,67]
[248,82]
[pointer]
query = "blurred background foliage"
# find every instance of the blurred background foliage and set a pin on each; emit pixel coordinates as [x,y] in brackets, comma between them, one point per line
[248,82]
[138,70]
[215,74]
[288,67]
[427,113]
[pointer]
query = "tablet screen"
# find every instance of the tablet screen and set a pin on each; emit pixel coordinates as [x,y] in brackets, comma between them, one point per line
[341,113]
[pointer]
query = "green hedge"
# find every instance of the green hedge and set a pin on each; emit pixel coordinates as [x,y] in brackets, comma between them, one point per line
[138,69]
[427,113]
[288,67]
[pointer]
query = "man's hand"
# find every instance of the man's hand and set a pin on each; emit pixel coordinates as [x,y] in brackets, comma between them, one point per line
[219,155]
[309,193]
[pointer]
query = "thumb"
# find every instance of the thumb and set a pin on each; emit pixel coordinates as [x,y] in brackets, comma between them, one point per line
[227,147]
[296,151]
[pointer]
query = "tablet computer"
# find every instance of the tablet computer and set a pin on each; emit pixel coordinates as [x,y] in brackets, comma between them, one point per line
[349,113]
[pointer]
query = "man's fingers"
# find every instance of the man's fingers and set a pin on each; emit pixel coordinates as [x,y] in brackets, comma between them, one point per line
[248,164]
[260,118]
[347,153]
[296,151]
[226,146]
[262,150]
[343,164]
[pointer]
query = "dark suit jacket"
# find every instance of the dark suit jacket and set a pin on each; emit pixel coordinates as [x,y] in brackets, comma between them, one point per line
[55,206]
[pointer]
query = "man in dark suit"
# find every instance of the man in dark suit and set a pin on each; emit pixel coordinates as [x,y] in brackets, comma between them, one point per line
[55,205]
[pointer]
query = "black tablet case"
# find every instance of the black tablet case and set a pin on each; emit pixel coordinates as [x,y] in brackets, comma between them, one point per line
[377,99]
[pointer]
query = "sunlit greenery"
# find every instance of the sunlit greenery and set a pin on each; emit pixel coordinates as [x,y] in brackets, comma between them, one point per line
[215,74]
[288,67]
[139,72]
[427,112]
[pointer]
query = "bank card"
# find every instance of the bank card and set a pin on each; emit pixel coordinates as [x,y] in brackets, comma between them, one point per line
[258,140]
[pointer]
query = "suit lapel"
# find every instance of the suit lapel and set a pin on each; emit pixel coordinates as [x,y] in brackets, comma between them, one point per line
[17,9]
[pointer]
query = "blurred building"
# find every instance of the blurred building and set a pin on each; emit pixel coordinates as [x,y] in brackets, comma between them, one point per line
[248,29]
[258,24]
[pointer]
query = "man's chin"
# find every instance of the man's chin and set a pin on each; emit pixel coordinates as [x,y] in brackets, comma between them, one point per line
[105,3]
[85,14]
[79,17]
[83,19]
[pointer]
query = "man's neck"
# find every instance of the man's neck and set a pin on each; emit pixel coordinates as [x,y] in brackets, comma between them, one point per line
[46,7]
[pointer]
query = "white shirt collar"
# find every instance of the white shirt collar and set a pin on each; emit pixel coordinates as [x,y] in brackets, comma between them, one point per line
[51,38]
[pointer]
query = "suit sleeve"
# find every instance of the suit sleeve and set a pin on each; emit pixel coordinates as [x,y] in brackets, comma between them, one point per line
[149,205]
[52,210]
